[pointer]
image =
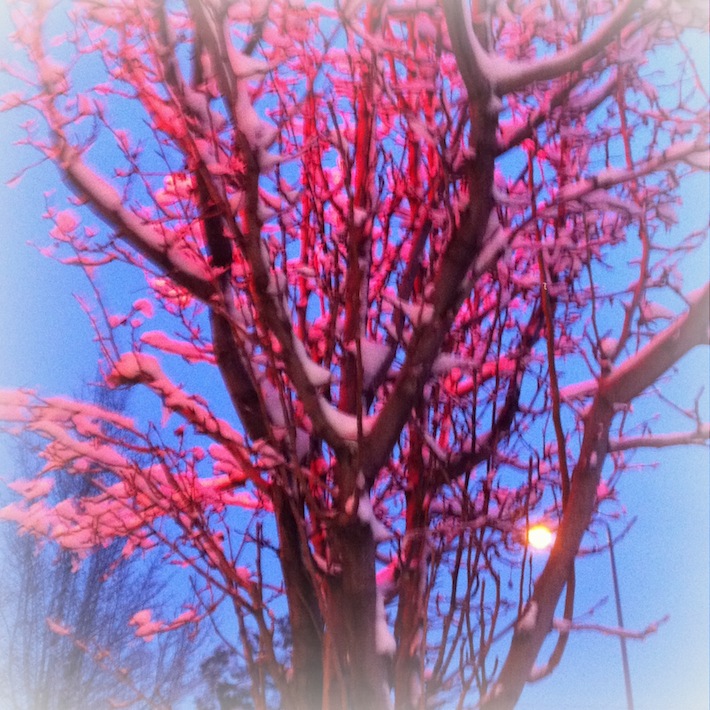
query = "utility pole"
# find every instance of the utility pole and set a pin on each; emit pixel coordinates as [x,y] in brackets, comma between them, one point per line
[620,620]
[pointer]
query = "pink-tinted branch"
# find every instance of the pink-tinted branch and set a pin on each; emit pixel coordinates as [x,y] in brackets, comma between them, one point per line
[162,248]
[564,625]
[506,76]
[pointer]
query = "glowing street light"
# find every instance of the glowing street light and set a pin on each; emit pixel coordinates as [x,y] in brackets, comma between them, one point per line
[540,537]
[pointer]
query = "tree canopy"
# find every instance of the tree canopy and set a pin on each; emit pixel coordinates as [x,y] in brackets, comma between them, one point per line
[403,268]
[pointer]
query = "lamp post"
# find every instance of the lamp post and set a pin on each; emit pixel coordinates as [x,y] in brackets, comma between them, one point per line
[620,620]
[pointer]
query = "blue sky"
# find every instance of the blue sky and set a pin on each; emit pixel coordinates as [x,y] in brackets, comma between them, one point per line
[46,342]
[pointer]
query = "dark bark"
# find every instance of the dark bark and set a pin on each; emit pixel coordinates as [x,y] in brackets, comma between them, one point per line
[303,606]
[355,675]
[411,612]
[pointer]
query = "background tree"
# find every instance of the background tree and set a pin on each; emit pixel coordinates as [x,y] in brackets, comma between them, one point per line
[65,629]
[388,228]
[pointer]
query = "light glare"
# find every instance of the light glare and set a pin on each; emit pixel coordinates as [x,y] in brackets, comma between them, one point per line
[540,537]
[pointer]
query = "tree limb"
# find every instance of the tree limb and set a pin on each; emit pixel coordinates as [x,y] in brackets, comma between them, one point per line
[564,625]
[644,368]
[659,441]
[507,77]
[180,263]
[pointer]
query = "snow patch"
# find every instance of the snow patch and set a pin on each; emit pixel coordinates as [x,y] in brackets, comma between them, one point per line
[146,628]
[608,346]
[374,355]
[359,216]
[345,425]
[35,488]
[419,312]
[367,515]
[57,628]
[655,311]
[317,375]
[579,390]
[385,643]
[446,362]
[189,351]
[529,618]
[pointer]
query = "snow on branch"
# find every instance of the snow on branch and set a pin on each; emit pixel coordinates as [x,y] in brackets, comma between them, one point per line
[473,62]
[166,250]
[191,352]
[659,441]
[169,252]
[124,496]
[685,151]
[642,369]
[505,76]
[564,626]
[138,367]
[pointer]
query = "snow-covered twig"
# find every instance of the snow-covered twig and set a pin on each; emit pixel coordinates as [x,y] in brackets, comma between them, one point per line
[658,441]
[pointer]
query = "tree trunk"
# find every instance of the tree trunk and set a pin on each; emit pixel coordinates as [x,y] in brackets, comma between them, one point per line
[355,676]
[304,611]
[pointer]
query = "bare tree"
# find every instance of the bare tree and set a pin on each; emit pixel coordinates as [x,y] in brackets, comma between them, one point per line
[384,230]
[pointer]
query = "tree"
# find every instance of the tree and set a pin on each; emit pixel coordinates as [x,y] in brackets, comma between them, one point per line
[65,630]
[384,230]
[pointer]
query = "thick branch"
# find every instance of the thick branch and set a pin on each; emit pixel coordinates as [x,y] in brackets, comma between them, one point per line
[506,76]
[181,264]
[304,610]
[606,179]
[584,102]
[467,49]
[644,368]
[468,243]
[528,638]
[426,343]
[265,288]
